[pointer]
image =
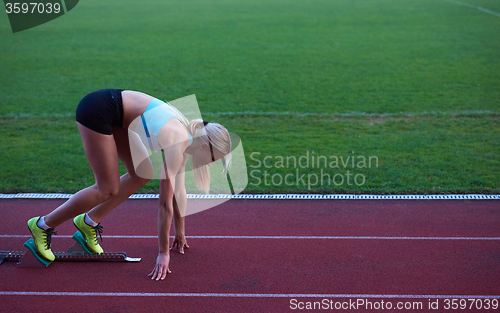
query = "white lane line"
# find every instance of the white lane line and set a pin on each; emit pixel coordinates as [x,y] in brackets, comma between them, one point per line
[299,114]
[353,113]
[474,7]
[284,237]
[241,295]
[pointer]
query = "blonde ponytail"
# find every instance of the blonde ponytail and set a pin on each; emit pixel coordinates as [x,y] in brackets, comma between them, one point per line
[218,136]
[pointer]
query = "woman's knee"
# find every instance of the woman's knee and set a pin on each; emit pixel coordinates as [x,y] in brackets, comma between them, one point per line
[107,192]
[139,181]
[144,170]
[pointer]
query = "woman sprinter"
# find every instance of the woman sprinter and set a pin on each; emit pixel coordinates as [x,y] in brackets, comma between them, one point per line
[117,124]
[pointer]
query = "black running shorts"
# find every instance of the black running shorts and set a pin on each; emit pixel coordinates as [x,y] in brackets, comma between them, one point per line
[101,110]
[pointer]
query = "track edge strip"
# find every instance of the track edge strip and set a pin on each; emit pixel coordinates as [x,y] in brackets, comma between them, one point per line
[275,196]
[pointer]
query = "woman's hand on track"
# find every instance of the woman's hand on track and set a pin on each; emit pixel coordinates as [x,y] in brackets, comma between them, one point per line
[180,242]
[161,268]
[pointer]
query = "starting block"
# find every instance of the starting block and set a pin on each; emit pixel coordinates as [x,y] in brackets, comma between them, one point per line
[79,252]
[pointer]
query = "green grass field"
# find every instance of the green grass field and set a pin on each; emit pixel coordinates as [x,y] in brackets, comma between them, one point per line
[415,84]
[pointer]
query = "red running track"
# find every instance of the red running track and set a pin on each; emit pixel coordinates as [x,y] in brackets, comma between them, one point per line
[420,251]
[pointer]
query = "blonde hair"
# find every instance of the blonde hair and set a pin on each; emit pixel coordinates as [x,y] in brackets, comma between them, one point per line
[211,133]
[216,135]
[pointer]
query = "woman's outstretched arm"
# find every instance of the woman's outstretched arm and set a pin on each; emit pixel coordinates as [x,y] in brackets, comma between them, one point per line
[180,203]
[171,166]
[165,214]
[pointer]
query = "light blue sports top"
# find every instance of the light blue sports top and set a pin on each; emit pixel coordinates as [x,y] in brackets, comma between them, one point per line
[152,120]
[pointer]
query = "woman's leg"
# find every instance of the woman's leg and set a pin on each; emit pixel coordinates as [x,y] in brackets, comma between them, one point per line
[102,156]
[130,182]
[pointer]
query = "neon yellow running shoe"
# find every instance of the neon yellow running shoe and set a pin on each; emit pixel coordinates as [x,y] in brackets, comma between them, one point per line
[42,239]
[89,233]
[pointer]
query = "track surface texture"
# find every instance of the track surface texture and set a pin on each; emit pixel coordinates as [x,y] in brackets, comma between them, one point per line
[269,256]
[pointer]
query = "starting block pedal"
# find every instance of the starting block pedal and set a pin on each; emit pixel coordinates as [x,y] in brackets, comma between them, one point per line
[82,243]
[29,261]
[79,252]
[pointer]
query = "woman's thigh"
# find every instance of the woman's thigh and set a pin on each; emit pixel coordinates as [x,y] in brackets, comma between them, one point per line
[132,153]
[102,156]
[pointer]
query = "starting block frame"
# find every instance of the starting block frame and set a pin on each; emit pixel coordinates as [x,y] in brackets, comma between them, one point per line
[77,253]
